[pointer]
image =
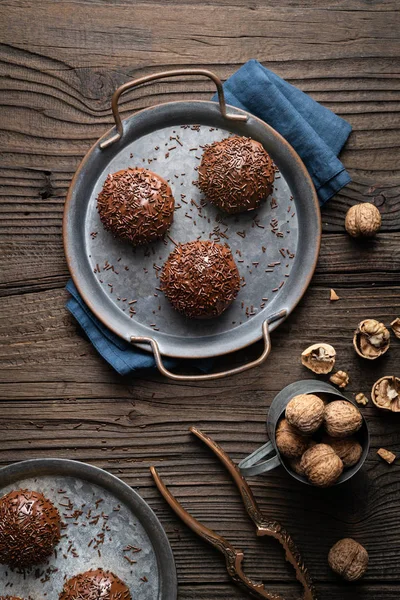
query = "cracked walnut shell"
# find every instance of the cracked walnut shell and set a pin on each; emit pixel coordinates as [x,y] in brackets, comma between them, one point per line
[319,358]
[348,559]
[341,379]
[305,412]
[321,465]
[371,339]
[342,419]
[363,220]
[348,449]
[395,325]
[385,393]
[289,440]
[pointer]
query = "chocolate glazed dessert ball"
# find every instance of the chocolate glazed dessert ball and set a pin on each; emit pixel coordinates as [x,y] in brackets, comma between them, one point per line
[200,279]
[136,205]
[236,174]
[10,598]
[29,528]
[95,585]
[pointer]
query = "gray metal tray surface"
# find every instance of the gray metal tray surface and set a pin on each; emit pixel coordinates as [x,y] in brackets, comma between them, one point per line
[275,247]
[103,518]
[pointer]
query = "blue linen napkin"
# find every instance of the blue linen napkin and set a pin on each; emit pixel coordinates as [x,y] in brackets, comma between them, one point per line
[316,133]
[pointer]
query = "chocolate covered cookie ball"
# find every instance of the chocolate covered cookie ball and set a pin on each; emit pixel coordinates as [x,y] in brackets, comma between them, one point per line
[95,585]
[236,174]
[200,279]
[29,528]
[136,205]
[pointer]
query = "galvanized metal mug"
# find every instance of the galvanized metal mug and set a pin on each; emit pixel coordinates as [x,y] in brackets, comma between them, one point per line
[257,462]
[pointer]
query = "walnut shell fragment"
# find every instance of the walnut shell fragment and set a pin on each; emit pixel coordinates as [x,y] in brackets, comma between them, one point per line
[363,220]
[385,393]
[321,465]
[342,419]
[388,456]
[341,379]
[348,449]
[395,325]
[319,358]
[371,339]
[348,559]
[305,412]
[289,440]
[333,296]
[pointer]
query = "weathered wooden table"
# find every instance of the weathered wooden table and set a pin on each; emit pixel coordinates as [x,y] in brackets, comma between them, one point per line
[60,62]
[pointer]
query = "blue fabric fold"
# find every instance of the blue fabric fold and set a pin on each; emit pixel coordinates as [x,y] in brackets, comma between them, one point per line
[315,132]
[317,135]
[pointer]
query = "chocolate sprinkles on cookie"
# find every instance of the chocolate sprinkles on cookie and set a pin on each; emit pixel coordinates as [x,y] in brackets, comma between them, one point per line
[200,279]
[236,174]
[136,205]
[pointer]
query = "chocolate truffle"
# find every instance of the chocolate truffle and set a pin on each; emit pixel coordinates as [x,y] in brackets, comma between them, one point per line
[136,205]
[200,279]
[236,174]
[29,528]
[10,598]
[95,585]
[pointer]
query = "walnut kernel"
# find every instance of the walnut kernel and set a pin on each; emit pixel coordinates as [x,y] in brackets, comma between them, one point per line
[347,449]
[363,220]
[371,339]
[341,379]
[305,412]
[319,358]
[388,456]
[289,440]
[361,399]
[348,559]
[321,465]
[342,419]
[385,393]
[395,325]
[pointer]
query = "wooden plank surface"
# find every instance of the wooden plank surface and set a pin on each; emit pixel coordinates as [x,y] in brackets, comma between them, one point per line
[60,62]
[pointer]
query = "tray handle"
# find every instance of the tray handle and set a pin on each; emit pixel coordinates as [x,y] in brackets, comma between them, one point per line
[176,72]
[207,377]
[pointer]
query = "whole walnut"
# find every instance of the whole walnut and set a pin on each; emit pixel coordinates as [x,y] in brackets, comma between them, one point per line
[305,412]
[321,465]
[371,339]
[289,440]
[348,449]
[295,463]
[348,559]
[342,419]
[363,220]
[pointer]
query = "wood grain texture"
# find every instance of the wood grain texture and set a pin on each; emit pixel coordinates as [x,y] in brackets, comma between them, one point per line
[60,61]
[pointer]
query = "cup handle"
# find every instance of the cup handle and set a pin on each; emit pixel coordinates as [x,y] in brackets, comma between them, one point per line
[251,465]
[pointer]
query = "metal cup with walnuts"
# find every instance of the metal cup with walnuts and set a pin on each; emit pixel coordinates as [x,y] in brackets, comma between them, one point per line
[348,559]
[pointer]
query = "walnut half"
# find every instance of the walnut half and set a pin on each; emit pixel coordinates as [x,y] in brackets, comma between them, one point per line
[319,358]
[371,339]
[385,393]
[395,325]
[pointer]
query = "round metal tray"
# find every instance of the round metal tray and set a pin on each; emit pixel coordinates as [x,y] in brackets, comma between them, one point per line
[276,247]
[116,510]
